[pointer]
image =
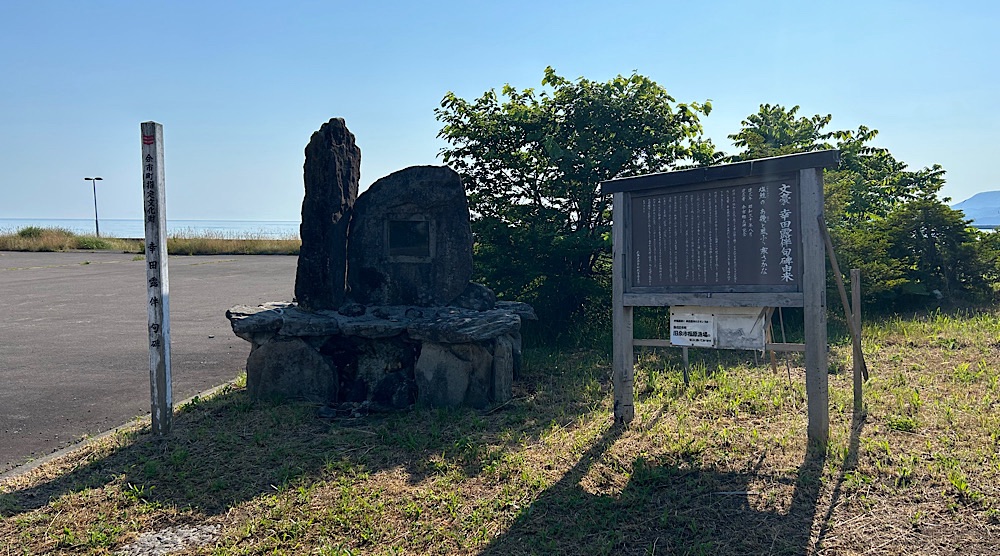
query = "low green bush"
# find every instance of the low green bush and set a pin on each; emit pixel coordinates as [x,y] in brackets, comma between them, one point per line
[93,243]
[31,232]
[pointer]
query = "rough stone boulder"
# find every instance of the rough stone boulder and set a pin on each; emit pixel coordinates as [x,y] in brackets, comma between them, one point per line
[331,173]
[476,297]
[454,375]
[290,369]
[410,240]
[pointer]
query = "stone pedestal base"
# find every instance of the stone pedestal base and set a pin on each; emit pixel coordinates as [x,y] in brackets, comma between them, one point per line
[392,357]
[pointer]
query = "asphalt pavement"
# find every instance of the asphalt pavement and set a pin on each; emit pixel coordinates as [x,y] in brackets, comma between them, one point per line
[74,356]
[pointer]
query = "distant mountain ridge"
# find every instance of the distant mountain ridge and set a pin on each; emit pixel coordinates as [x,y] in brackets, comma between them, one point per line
[983,208]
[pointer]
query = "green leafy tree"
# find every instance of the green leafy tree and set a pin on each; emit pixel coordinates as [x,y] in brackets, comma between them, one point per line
[885,219]
[532,162]
[920,251]
[775,131]
[937,248]
[869,183]
[872,183]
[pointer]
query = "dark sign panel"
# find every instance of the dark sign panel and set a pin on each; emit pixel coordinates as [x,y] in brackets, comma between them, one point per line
[409,238]
[730,238]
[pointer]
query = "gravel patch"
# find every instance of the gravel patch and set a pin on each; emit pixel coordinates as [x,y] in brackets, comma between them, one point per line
[171,539]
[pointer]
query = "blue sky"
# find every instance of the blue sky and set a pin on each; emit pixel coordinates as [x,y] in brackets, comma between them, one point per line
[240,86]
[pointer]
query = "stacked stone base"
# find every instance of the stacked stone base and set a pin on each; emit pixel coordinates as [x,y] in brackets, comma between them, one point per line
[390,357]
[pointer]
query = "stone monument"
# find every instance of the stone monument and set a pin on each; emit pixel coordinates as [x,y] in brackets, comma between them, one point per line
[385,314]
[411,242]
[331,173]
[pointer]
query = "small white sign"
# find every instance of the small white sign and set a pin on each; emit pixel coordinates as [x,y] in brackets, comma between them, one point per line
[692,329]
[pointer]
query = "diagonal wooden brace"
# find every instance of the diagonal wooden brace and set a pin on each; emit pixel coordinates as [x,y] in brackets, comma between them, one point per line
[848,313]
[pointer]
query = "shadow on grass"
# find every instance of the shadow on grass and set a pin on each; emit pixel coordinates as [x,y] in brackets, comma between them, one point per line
[228,450]
[849,464]
[673,506]
[210,460]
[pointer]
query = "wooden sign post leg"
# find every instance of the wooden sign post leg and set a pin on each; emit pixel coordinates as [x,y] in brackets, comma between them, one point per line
[859,357]
[622,360]
[687,365]
[814,306]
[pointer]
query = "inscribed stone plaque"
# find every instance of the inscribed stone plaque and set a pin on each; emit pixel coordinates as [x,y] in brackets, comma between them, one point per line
[409,238]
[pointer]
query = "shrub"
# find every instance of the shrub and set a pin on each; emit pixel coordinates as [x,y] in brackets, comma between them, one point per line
[93,243]
[32,232]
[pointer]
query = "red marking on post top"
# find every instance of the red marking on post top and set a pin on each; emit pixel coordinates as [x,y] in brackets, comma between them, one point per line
[148,139]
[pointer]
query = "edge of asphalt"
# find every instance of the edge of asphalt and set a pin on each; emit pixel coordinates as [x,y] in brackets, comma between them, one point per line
[29,466]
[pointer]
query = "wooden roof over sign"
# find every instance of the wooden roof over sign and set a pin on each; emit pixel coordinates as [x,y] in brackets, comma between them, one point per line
[752,168]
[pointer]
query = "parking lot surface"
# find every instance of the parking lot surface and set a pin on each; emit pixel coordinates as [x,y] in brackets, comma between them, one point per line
[74,356]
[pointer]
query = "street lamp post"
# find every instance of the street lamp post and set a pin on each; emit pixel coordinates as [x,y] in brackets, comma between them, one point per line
[97,226]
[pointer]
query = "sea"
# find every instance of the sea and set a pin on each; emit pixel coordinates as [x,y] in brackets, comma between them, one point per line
[134,228]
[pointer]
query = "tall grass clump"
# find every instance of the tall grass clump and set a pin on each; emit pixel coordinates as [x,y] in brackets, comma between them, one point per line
[33,232]
[34,238]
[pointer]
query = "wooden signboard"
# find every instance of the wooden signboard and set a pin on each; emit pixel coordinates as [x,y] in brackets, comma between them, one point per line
[734,235]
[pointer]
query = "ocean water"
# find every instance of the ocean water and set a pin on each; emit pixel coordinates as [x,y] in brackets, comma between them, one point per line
[134,228]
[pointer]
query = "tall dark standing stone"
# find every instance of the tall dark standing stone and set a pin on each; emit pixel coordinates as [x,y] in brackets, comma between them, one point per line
[331,174]
[411,242]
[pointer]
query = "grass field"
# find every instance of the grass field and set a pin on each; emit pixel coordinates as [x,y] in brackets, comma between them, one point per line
[55,239]
[717,467]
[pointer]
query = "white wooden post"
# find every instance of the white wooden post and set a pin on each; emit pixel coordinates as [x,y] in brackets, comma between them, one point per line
[814,305]
[622,359]
[157,282]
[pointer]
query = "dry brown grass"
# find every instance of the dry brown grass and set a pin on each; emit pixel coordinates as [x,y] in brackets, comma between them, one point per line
[222,244]
[57,239]
[184,243]
[719,467]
